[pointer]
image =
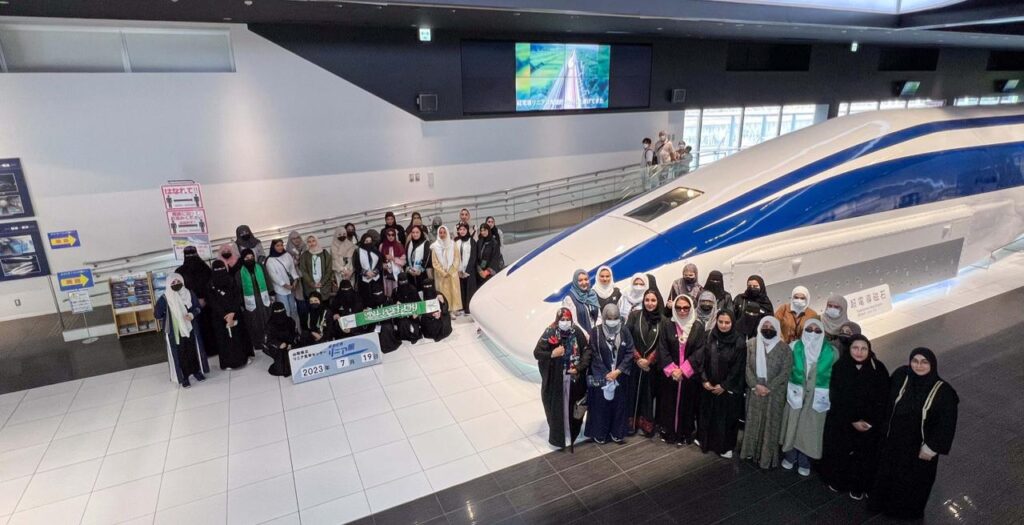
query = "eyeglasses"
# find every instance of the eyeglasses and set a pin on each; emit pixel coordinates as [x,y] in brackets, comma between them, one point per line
[682,308]
[812,330]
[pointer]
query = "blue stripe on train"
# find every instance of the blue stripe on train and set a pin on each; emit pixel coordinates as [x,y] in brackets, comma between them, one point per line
[899,183]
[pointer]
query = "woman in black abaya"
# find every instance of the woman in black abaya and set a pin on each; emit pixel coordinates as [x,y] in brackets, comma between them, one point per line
[281,337]
[408,327]
[196,273]
[645,325]
[922,422]
[224,302]
[344,303]
[722,374]
[437,325]
[563,357]
[751,306]
[679,359]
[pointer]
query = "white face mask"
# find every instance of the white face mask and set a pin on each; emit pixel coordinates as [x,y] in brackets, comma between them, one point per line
[811,339]
[799,304]
[564,325]
[612,325]
[833,312]
[639,288]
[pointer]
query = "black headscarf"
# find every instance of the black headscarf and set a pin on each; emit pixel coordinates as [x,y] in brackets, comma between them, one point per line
[761,297]
[346,301]
[715,284]
[280,326]
[918,387]
[655,317]
[354,234]
[406,292]
[273,252]
[373,246]
[242,261]
[244,237]
[494,230]
[725,339]
[195,271]
[220,276]
[847,364]
[429,290]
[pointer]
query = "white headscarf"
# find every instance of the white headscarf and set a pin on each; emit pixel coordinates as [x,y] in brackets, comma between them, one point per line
[604,291]
[765,346]
[812,342]
[807,294]
[178,304]
[684,323]
[444,249]
[632,298]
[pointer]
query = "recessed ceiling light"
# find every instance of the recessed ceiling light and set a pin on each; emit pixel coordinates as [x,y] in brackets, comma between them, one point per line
[660,28]
[227,19]
[453,10]
[516,14]
[247,2]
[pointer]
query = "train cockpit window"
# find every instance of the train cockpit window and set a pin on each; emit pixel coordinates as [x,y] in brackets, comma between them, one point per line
[663,204]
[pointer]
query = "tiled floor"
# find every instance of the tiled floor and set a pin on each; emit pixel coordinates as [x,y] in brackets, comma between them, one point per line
[245,447]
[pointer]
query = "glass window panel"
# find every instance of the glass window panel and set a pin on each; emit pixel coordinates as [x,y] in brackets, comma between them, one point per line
[892,104]
[966,101]
[925,103]
[796,117]
[861,107]
[989,101]
[759,124]
[844,108]
[719,133]
[691,126]
[663,204]
[1010,99]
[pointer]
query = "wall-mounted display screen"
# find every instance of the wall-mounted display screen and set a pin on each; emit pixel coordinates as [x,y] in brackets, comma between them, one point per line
[555,77]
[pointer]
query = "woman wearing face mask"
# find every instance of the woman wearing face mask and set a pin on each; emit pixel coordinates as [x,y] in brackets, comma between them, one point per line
[408,327]
[295,247]
[253,281]
[390,222]
[417,256]
[284,277]
[769,361]
[317,269]
[342,249]
[344,303]
[921,417]
[583,302]
[607,292]
[196,273]
[369,267]
[633,298]
[679,357]
[846,332]
[807,396]
[687,284]
[224,302]
[793,316]
[833,318]
[245,239]
[610,365]
[318,326]
[858,392]
[393,252]
[228,252]
[488,255]
[437,325]
[751,306]
[722,376]
[465,245]
[445,260]
[350,232]
[563,357]
[707,310]
[715,284]
[645,325]
[281,337]
[177,310]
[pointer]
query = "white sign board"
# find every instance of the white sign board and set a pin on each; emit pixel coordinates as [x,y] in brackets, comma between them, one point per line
[334,357]
[80,301]
[869,302]
[182,196]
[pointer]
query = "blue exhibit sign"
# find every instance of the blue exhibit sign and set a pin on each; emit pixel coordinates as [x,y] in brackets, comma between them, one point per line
[334,357]
[14,198]
[21,251]
[64,239]
[75,280]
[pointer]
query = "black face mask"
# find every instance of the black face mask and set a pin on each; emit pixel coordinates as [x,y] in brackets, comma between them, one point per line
[403,282]
[177,287]
[226,255]
[341,237]
[247,237]
[249,263]
[753,292]
[314,306]
[351,233]
[769,333]
[689,280]
[705,308]
[845,339]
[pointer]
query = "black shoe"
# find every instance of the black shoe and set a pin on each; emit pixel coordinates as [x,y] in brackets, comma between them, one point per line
[200,377]
[618,440]
[186,384]
[833,489]
[599,441]
[856,495]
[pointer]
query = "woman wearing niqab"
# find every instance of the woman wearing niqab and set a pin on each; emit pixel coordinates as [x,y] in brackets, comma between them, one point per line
[177,309]
[769,361]
[224,302]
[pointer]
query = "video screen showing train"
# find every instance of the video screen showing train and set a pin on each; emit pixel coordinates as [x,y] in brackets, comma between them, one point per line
[560,77]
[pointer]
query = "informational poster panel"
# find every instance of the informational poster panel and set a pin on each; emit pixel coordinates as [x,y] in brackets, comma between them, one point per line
[80,302]
[21,251]
[869,302]
[186,218]
[75,280]
[64,239]
[14,200]
[334,357]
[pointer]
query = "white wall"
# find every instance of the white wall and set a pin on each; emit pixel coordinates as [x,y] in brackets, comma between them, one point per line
[278,142]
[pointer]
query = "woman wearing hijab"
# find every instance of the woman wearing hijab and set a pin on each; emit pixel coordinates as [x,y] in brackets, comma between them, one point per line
[751,306]
[834,316]
[859,392]
[633,298]
[224,302]
[687,284]
[583,301]
[319,325]
[716,285]
[252,280]
[245,239]
[435,224]
[437,325]
[281,337]
[769,362]
[228,252]
[645,325]
[196,273]
[921,415]
[393,252]
[465,246]
[417,256]
[445,261]
[607,292]
[415,219]
[344,303]
[845,336]
[793,316]
[722,376]
[807,395]
[342,249]
[563,357]
[177,310]
[488,255]
[408,327]
[284,276]
[610,365]
[369,267]
[707,310]
[295,247]
[390,222]
[679,358]
[316,269]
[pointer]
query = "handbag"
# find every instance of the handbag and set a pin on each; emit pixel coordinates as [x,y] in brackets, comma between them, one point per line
[579,409]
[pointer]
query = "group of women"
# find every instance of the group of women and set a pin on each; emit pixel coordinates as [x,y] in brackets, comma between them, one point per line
[295,295]
[804,388]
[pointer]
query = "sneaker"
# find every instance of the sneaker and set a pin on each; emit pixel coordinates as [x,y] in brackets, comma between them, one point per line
[618,440]
[727,455]
[833,489]
[599,441]
[857,496]
[186,384]
[200,377]
[803,471]
[694,441]
[787,465]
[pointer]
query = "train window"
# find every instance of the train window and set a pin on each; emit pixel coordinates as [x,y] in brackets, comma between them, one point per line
[663,204]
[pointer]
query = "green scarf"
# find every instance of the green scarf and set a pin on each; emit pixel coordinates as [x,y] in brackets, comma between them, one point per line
[825,361]
[247,291]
